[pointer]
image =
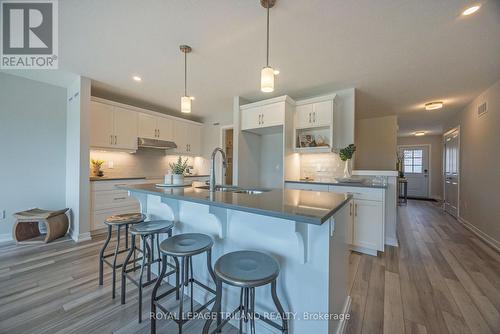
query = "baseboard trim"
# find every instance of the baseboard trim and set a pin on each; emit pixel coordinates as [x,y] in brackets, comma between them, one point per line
[391,242]
[80,237]
[347,310]
[492,242]
[5,237]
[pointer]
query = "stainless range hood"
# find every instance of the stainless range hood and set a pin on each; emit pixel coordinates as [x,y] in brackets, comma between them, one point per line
[156,143]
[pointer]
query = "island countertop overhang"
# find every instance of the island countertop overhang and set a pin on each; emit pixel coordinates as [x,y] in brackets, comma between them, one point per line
[302,206]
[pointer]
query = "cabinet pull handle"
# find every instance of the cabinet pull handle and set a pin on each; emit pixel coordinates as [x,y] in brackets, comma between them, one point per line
[158,133]
[309,117]
[119,198]
[314,117]
[350,209]
[111,139]
[262,118]
[356,210]
[116,140]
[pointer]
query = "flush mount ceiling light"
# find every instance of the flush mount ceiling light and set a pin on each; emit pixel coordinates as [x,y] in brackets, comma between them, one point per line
[267,74]
[471,10]
[434,105]
[137,78]
[186,99]
[419,133]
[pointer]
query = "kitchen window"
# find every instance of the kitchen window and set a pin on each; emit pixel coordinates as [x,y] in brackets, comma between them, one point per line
[412,162]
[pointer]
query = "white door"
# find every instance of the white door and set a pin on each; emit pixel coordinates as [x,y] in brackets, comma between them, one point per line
[251,118]
[368,224]
[416,169]
[451,172]
[125,128]
[303,116]
[147,126]
[101,125]
[165,128]
[323,113]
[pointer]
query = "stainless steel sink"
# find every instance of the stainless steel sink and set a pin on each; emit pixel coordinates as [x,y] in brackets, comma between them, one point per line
[219,188]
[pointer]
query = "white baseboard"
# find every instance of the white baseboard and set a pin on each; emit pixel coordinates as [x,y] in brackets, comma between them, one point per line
[4,237]
[391,242]
[347,310]
[79,237]
[492,242]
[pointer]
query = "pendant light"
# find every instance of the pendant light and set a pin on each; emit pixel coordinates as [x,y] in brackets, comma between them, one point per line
[267,73]
[186,99]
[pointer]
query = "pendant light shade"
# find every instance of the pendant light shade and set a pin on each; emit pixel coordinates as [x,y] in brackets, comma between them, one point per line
[186,104]
[186,99]
[267,73]
[267,80]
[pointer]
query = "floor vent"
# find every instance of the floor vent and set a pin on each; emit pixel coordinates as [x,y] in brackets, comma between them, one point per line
[482,109]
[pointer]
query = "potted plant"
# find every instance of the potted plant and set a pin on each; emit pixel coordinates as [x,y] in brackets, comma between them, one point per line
[178,169]
[346,155]
[96,167]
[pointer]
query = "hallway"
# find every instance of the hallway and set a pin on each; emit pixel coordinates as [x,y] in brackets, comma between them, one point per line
[442,279]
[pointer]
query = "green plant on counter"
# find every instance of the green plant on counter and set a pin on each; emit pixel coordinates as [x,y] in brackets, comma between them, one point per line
[347,152]
[97,162]
[179,167]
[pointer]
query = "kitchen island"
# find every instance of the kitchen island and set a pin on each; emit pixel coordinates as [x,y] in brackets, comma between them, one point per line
[305,231]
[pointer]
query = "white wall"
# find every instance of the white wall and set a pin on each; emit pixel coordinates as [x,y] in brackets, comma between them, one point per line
[480,163]
[32,147]
[77,158]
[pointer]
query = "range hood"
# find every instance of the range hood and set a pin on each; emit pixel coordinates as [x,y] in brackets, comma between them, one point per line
[155,143]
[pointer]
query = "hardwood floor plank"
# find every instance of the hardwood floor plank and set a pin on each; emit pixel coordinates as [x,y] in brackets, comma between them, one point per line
[393,305]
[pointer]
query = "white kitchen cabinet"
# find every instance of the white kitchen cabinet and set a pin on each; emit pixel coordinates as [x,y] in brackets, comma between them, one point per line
[314,114]
[368,228]
[155,127]
[187,136]
[112,127]
[263,116]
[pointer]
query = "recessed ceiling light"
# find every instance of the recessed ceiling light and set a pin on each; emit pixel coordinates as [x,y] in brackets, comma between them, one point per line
[471,10]
[137,78]
[433,105]
[419,133]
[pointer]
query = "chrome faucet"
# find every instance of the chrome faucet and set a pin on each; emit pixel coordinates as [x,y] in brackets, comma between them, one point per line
[212,169]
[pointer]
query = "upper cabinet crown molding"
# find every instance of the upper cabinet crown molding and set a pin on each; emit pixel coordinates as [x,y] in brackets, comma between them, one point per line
[316,99]
[284,98]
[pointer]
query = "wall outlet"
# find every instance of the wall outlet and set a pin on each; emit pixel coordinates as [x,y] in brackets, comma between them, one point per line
[3,214]
[111,164]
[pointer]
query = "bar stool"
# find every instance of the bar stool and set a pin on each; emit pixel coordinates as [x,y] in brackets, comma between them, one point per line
[183,246]
[246,270]
[118,221]
[151,231]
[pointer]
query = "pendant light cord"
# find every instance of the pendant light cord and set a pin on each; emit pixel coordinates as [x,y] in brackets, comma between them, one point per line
[267,56]
[185,73]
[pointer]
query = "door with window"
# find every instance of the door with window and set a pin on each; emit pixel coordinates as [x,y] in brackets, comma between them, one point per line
[416,169]
[451,171]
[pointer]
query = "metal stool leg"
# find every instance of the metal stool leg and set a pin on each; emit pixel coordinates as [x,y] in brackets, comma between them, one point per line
[276,301]
[241,311]
[192,283]
[141,275]
[124,270]
[114,259]
[149,257]
[216,308]
[184,263]
[126,236]
[155,292]
[101,255]
[252,310]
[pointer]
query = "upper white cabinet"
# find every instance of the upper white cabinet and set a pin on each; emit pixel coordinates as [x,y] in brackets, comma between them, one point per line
[187,138]
[155,127]
[314,114]
[112,127]
[262,116]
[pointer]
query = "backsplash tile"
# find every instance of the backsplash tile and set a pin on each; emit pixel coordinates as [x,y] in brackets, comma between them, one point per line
[321,166]
[145,162]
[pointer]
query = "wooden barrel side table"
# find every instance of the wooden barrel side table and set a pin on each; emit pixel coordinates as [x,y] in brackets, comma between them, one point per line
[26,229]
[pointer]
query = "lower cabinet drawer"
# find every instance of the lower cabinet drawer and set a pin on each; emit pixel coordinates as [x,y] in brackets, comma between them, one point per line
[98,217]
[370,194]
[111,199]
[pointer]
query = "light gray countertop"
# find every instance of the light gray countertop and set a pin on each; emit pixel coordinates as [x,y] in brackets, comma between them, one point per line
[298,205]
[365,183]
[114,178]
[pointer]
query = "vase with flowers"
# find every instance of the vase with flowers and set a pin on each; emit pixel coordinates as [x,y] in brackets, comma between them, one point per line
[346,155]
[96,167]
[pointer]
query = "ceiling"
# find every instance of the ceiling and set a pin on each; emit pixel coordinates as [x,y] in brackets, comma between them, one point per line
[399,54]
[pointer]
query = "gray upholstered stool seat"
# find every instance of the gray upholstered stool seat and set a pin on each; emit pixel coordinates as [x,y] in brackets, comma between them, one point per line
[247,268]
[182,246]
[187,244]
[152,227]
[126,218]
